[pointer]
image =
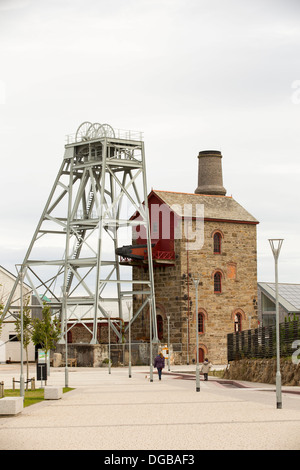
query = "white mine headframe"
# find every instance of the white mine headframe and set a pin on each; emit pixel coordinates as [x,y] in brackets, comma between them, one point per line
[71,261]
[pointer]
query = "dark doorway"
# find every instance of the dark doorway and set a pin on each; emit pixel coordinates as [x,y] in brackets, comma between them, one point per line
[160,327]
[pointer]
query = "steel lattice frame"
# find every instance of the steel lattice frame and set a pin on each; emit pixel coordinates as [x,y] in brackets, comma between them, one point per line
[71,261]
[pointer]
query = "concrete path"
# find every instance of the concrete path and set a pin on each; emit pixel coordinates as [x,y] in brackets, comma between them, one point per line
[115,412]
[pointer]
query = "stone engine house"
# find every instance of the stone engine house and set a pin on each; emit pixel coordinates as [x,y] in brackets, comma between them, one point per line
[205,235]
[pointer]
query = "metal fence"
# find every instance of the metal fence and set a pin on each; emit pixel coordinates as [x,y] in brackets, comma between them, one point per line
[261,342]
[118,133]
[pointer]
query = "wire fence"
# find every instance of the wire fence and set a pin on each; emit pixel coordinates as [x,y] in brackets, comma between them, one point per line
[261,342]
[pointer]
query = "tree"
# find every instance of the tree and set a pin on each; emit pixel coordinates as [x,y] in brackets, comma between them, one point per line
[1,311]
[1,320]
[27,332]
[46,331]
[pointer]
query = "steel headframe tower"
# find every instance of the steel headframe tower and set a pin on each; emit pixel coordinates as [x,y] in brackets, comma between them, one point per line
[71,261]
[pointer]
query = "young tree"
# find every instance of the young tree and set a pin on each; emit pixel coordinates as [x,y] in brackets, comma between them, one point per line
[46,331]
[1,311]
[1,321]
[27,332]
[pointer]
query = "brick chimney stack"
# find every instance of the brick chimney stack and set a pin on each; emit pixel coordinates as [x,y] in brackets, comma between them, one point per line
[210,177]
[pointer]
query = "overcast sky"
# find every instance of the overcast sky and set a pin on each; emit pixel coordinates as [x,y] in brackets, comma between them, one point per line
[191,74]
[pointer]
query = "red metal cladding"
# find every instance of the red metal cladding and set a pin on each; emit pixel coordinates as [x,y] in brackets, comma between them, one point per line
[162,235]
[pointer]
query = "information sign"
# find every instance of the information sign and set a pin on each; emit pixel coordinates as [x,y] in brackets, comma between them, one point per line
[41,371]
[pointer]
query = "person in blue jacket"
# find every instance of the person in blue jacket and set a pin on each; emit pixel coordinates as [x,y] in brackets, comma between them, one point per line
[159,363]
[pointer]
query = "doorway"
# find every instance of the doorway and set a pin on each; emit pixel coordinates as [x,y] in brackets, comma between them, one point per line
[160,327]
[201,355]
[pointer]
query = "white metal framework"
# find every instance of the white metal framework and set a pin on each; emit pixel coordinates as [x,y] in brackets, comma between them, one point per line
[71,261]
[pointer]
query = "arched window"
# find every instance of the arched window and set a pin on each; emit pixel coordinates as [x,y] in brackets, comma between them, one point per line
[217,243]
[237,322]
[217,282]
[201,322]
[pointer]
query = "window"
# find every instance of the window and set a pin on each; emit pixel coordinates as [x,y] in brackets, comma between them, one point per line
[217,243]
[268,320]
[200,323]
[267,304]
[13,337]
[237,322]
[217,282]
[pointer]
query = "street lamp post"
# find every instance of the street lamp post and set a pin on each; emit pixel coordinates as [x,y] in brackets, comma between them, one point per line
[168,318]
[64,333]
[276,244]
[109,367]
[22,389]
[66,337]
[129,333]
[151,359]
[187,341]
[196,284]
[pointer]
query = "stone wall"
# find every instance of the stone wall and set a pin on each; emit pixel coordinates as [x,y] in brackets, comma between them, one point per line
[87,355]
[80,334]
[96,355]
[167,284]
[175,291]
[263,371]
[238,265]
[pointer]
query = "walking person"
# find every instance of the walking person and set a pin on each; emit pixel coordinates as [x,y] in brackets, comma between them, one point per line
[205,368]
[159,363]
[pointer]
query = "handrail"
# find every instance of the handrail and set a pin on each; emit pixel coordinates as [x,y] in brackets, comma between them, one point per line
[122,134]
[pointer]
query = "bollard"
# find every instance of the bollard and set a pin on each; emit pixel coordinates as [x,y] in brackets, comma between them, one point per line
[1,389]
[13,384]
[33,383]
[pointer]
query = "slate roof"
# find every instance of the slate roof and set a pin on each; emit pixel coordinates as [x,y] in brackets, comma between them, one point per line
[215,207]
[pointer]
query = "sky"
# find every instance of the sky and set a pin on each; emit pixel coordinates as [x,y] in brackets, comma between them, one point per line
[191,75]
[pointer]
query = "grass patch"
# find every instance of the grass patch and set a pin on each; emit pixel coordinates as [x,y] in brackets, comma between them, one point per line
[217,373]
[31,396]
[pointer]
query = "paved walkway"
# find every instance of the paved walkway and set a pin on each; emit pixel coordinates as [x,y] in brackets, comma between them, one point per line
[115,412]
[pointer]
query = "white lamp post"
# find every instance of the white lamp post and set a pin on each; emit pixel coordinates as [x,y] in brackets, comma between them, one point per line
[129,333]
[168,318]
[109,368]
[196,284]
[276,244]
[187,341]
[151,360]
[22,390]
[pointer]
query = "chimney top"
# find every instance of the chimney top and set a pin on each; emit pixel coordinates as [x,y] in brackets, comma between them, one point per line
[210,177]
[209,152]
